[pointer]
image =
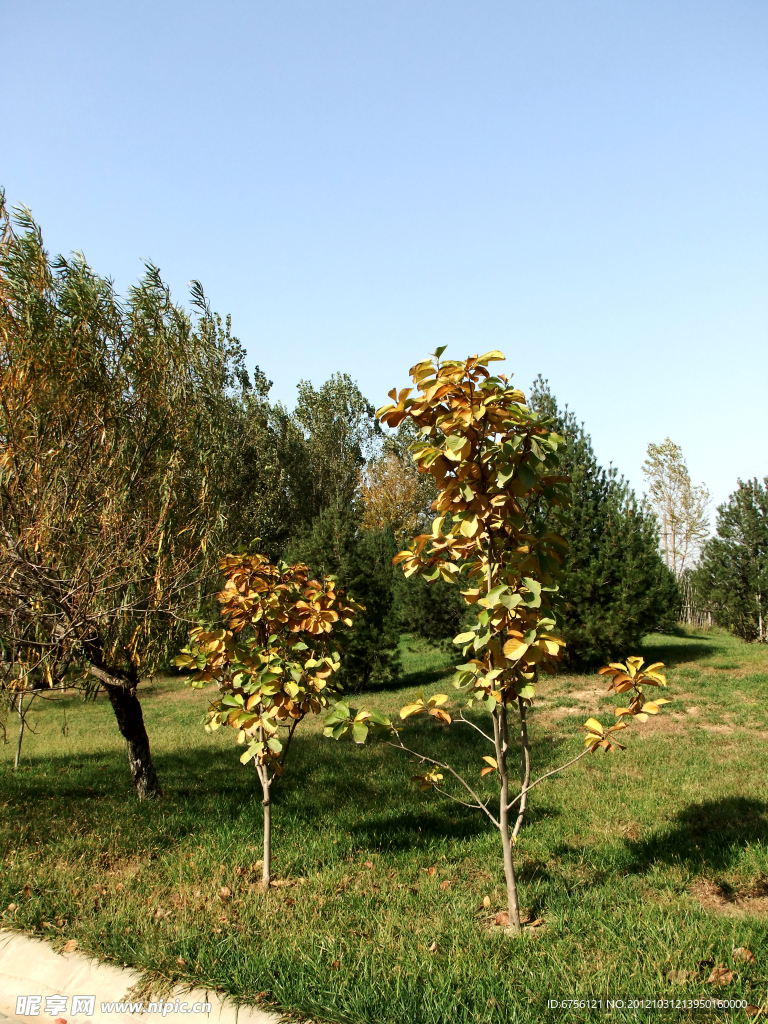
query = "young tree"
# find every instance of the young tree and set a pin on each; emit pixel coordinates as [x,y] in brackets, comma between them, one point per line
[615,585]
[273,664]
[494,462]
[680,507]
[115,437]
[732,578]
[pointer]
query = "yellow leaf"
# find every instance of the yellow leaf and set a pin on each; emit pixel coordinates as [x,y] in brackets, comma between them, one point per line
[493,356]
[653,667]
[621,711]
[651,708]
[412,709]
[441,715]
[641,717]
[437,698]
[515,649]
[592,725]
[486,771]
[490,760]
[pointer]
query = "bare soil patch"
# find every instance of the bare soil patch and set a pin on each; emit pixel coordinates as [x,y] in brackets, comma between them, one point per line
[747,902]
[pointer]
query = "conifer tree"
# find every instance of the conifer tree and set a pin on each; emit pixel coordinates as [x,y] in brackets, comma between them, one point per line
[361,561]
[732,579]
[615,584]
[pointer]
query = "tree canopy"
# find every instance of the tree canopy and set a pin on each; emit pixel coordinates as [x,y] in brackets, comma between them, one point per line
[732,577]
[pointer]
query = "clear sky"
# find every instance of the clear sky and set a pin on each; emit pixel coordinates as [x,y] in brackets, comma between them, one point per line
[581,183]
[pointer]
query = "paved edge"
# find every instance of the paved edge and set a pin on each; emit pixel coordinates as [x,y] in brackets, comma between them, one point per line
[30,967]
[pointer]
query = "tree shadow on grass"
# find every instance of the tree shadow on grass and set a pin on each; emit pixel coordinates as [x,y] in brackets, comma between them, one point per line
[714,832]
[675,651]
[409,681]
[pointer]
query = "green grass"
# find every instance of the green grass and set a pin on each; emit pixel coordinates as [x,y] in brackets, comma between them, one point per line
[615,856]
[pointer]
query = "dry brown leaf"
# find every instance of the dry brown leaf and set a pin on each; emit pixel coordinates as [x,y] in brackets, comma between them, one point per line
[679,977]
[751,1010]
[369,864]
[720,976]
[336,965]
[502,917]
[432,948]
[180,962]
[535,924]
[70,945]
[445,884]
[431,871]
[12,907]
[225,892]
[742,953]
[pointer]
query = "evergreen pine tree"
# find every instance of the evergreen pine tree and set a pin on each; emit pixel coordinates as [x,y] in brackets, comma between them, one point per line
[733,576]
[615,584]
[361,560]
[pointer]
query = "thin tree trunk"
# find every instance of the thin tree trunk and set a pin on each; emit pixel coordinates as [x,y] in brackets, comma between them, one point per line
[266,803]
[513,908]
[525,767]
[17,759]
[121,690]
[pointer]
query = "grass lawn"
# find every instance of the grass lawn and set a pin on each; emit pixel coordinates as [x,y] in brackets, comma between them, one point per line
[641,863]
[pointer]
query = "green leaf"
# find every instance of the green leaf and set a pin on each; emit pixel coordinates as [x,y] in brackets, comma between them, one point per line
[359,732]
[528,692]
[526,476]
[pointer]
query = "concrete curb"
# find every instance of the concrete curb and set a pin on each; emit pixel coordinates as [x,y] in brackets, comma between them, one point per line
[29,967]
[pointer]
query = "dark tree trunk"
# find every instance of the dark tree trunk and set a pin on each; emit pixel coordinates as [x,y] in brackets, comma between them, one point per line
[121,690]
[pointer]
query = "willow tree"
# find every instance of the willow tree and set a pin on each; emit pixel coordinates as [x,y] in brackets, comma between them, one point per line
[495,465]
[115,435]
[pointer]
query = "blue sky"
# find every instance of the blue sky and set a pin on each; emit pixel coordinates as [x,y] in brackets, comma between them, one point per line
[581,184]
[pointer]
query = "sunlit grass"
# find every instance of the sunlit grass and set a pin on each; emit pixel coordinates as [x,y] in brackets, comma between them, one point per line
[613,858]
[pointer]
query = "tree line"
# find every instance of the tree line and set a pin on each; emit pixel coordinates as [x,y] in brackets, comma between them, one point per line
[136,449]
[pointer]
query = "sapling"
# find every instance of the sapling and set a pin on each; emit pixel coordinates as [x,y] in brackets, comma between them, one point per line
[496,468]
[273,664]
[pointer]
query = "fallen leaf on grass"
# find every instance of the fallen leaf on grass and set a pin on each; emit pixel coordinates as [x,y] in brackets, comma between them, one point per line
[368,864]
[432,948]
[679,977]
[217,930]
[225,892]
[431,871]
[290,903]
[70,945]
[486,901]
[335,965]
[180,962]
[445,884]
[502,918]
[12,907]
[720,976]
[742,953]
[752,1011]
